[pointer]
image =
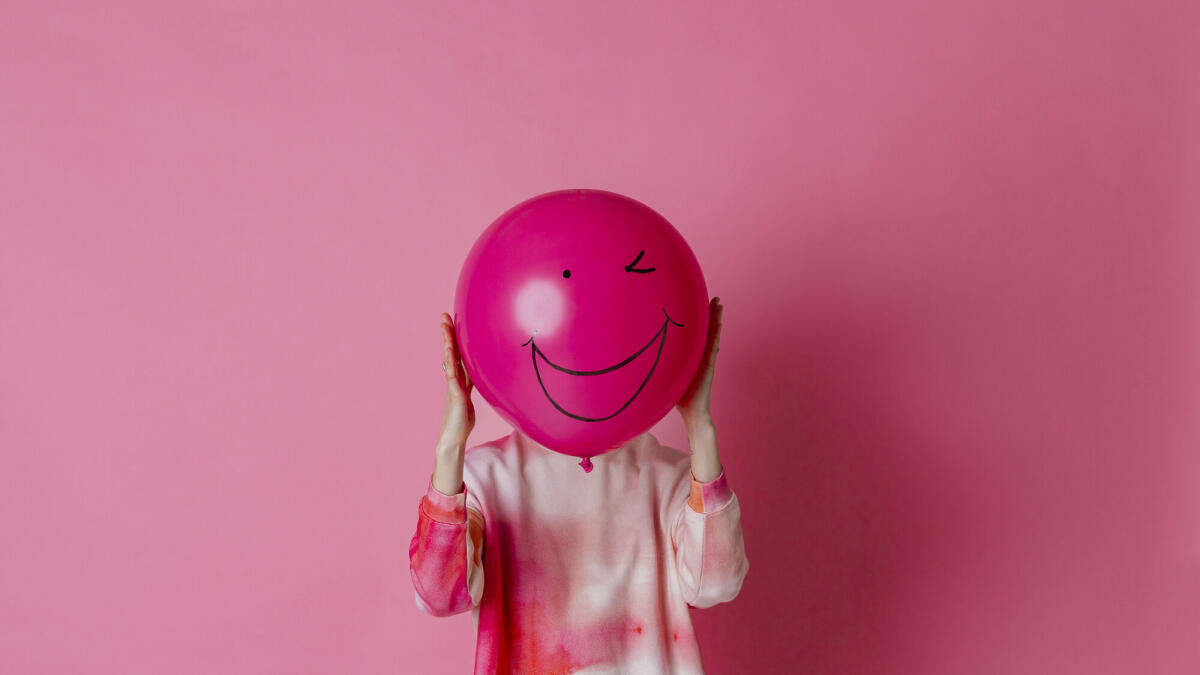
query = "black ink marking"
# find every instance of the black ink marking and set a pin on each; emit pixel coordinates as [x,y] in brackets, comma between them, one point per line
[660,337]
[566,274]
[630,267]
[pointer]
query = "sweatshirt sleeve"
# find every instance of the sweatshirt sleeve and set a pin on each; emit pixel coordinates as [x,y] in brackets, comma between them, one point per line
[706,534]
[445,555]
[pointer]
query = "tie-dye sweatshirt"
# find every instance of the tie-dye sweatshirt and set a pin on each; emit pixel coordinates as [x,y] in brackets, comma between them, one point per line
[567,571]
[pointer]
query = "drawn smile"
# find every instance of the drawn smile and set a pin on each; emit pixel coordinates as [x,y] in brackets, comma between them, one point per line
[660,337]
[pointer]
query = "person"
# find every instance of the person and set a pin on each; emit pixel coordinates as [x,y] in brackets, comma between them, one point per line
[573,572]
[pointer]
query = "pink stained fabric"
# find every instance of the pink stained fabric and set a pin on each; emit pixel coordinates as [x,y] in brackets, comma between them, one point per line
[573,572]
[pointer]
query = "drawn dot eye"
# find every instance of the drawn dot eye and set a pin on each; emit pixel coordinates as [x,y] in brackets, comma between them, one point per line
[566,274]
[631,267]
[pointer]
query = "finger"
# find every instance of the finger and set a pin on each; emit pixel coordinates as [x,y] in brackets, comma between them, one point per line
[718,324]
[714,333]
[461,376]
[467,383]
[460,369]
[714,316]
[716,343]
[452,381]
[449,357]
[460,373]
[448,337]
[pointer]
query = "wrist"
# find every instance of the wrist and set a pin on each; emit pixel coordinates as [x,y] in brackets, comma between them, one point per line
[700,424]
[450,448]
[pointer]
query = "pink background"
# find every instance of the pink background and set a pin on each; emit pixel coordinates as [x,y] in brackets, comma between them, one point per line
[957,243]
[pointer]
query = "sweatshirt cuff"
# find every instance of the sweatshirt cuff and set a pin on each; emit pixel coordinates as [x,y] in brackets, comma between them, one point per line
[445,508]
[710,496]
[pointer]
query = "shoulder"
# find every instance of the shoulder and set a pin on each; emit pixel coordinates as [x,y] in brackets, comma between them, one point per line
[669,470]
[665,460]
[649,446]
[485,457]
[485,468]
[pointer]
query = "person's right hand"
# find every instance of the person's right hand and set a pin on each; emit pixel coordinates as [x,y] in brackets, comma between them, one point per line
[458,416]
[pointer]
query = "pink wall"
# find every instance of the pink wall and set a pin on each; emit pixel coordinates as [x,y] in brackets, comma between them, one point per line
[957,243]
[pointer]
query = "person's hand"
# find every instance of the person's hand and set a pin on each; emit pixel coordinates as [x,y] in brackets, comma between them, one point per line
[458,415]
[694,406]
[458,418]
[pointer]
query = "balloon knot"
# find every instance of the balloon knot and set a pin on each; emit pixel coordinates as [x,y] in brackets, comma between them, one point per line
[586,463]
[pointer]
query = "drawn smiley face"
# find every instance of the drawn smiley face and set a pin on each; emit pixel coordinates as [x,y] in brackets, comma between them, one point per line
[581,317]
[660,338]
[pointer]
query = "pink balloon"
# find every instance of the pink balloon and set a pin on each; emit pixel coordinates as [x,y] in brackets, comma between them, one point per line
[581,318]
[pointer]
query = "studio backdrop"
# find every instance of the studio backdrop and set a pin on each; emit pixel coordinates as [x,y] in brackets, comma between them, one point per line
[956,243]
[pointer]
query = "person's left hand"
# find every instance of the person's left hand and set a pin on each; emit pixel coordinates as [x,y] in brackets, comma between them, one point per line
[694,406]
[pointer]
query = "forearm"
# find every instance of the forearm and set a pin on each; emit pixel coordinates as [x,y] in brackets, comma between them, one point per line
[448,468]
[710,555]
[702,442]
[439,555]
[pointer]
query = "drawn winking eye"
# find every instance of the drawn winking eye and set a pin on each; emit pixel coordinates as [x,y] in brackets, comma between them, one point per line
[630,267]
